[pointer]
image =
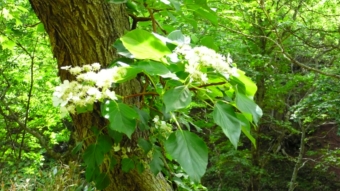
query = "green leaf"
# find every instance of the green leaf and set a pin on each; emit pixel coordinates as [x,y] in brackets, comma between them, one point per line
[140,167]
[152,68]
[190,151]
[177,36]
[156,164]
[127,164]
[247,105]
[225,117]
[40,28]
[246,128]
[84,109]
[145,145]
[113,162]
[95,130]
[121,50]
[144,45]
[132,6]
[93,156]
[115,135]
[143,119]
[122,117]
[91,173]
[204,12]
[177,98]
[77,148]
[243,84]
[8,45]
[104,143]
[102,181]
[176,4]
[208,41]
[128,73]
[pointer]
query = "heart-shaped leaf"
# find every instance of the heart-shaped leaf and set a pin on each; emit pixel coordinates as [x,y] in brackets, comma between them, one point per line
[122,117]
[224,116]
[190,151]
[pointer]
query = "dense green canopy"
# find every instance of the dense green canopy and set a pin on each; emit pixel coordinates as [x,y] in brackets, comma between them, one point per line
[169,95]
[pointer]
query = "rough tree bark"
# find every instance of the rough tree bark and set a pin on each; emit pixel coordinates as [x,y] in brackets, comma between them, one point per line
[82,32]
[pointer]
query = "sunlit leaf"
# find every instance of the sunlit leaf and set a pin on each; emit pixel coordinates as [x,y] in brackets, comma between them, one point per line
[144,45]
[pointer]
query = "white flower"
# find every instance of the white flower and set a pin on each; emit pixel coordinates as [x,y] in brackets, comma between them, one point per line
[89,100]
[59,93]
[87,68]
[76,70]
[56,101]
[94,92]
[110,94]
[234,72]
[96,66]
[60,90]
[173,57]
[66,98]
[201,56]
[71,109]
[76,99]
[63,111]
[229,60]
[163,125]
[80,77]
[90,76]
[91,86]
[156,119]
[192,68]
[65,67]
[204,78]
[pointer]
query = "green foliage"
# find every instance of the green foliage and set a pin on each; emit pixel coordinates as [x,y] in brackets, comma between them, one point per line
[225,117]
[121,116]
[176,94]
[177,98]
[53,177]
[29,124]
[177,112]
[190,151]
[144,45]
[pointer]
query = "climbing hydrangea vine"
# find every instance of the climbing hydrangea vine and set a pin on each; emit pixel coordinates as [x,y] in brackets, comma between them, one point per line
[176,76]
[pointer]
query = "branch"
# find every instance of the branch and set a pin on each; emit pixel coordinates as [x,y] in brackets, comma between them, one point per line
[36,134]
[32,56]
[154,29]
[136,19]
[156,94]
[284,53]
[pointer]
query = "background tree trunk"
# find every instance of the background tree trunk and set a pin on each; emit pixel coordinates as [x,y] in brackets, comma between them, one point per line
[82,32]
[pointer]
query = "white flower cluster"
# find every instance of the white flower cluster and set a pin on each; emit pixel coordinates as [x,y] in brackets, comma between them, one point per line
[92,85]
[200,57]
[164,127]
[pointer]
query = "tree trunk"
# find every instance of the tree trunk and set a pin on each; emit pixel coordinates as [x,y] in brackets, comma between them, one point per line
[82,32]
